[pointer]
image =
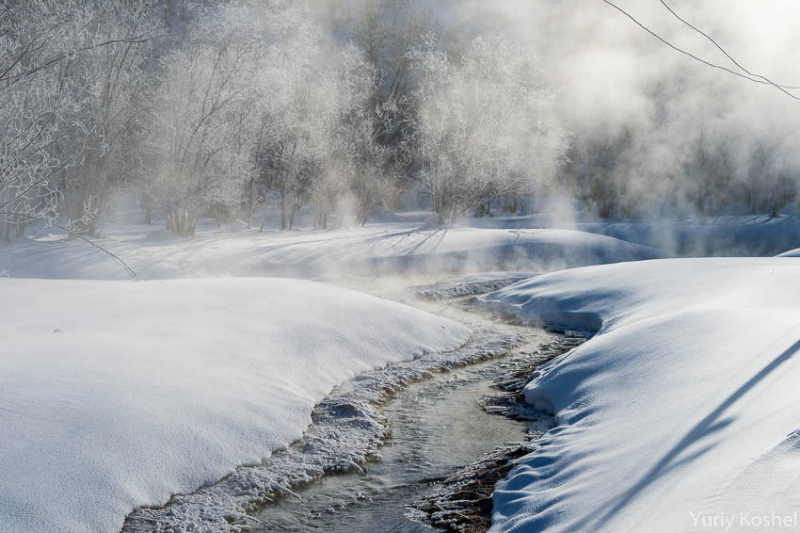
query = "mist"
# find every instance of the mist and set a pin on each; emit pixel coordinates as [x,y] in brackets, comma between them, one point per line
[232,232]
[338,112]
[615,83]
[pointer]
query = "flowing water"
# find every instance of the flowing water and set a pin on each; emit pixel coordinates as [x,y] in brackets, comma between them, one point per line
[437,427]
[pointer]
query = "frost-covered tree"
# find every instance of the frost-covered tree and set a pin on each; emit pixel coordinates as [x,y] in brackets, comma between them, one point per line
[191,140]
[319,141]
[199,128]
[107,82]
[289,109]
[67,72]
[357,166]
[34,42]
[485,126]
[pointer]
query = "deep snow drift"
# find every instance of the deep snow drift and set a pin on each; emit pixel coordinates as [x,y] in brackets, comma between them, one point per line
[118,394]
[680,414]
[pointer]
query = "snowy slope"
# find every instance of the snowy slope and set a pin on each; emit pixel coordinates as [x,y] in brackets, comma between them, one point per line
[681,414]
[723,235]
[791,253]
[382,248]
[117,394]
[743,235]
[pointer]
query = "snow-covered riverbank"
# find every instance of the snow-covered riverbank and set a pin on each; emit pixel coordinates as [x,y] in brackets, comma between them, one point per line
[115,395]
[378,249]
[682,407]
[347,430]
[138,391]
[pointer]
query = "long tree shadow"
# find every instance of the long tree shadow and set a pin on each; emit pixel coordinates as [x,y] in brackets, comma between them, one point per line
[705,428]
[427,235]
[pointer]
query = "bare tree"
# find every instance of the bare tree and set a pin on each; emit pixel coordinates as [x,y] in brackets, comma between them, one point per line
[485,127]
[64,73]
[200,130]
[107,81]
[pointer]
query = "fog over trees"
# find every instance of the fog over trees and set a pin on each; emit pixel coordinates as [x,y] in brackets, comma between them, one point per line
[242,108]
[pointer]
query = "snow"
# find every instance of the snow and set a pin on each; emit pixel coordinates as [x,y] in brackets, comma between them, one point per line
[791,253]
[723,235]
[348,428]
[734,235]
[471,285]
[381,248]
[680,413]
[115,395]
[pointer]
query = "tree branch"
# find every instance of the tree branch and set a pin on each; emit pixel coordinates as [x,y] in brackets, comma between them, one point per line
[747,77]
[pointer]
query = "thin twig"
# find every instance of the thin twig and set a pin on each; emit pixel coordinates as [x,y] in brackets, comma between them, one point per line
[721,49]
[253,518]
[287,491]
[113,256]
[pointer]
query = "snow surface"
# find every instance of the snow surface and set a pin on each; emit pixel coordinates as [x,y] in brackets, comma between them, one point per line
[472,285]
[392,248]
[348,428]
[680,414]
[724,235]
[116,394]
[742,235]
[791,253]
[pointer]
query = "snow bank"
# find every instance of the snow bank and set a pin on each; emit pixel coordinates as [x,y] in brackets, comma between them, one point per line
[115,395]
[749,235]
[331,254]
[791,253]
[681,414]
[472,285]
[742,235]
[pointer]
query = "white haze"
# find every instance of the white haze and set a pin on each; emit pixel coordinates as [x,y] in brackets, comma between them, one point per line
[309,110]
[609,74]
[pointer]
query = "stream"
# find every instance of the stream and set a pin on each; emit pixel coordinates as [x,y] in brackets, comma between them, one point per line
[437,426]
[382,446]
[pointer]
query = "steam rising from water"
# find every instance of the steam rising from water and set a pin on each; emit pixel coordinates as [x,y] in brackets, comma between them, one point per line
[615,83]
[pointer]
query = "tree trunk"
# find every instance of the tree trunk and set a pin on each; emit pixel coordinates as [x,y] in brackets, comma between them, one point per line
[148,204]
[283,208]
[251,205]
